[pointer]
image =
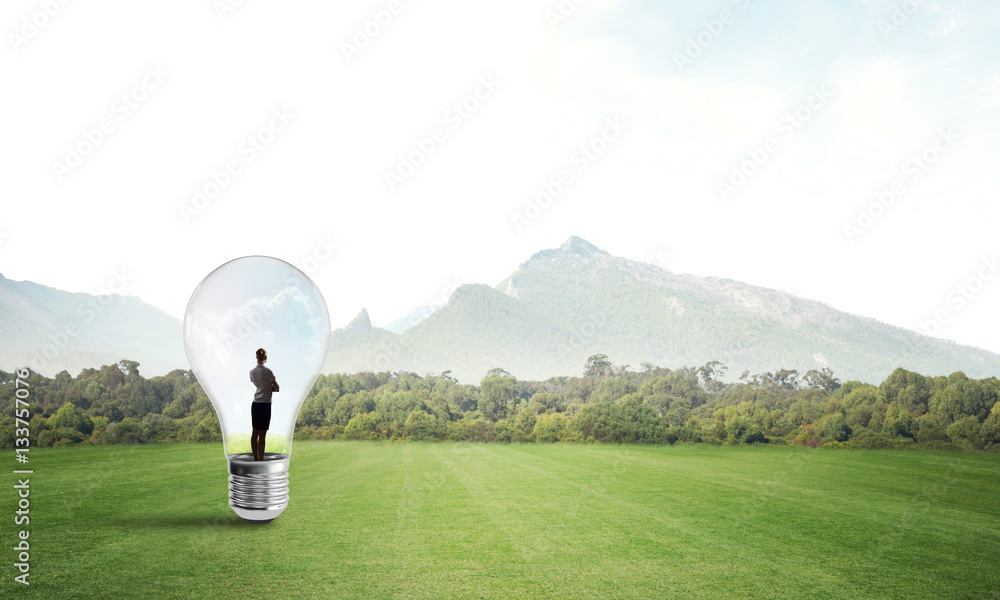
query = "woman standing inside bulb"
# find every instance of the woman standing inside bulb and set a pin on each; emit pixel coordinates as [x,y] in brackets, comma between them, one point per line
[260,410]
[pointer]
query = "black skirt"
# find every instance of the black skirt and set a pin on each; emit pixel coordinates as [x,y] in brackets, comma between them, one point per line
[260,414]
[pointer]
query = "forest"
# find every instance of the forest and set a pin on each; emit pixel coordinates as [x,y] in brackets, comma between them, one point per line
[607,404]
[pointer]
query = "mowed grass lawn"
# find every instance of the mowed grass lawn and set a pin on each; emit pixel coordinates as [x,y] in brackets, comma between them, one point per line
[380,520]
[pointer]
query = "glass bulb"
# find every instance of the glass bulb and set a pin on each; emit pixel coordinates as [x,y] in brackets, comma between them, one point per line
[250,303]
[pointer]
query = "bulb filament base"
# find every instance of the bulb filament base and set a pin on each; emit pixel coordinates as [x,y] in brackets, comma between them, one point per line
[258,489]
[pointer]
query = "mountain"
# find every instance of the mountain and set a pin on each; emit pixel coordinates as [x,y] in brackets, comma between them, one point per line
[566,304]
[557,309]
[357,346]
[51,330]
[414,318]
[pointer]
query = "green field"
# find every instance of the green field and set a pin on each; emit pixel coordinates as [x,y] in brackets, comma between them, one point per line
[380,520]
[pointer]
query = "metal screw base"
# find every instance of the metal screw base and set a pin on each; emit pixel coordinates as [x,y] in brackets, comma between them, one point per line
[258,489]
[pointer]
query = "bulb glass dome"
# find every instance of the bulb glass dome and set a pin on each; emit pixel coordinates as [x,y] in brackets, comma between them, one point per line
[250,303]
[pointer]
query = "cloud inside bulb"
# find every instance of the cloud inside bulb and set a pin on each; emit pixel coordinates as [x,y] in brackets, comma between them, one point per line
[228,331]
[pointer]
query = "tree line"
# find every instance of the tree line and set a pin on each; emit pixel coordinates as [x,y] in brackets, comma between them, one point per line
[607,404]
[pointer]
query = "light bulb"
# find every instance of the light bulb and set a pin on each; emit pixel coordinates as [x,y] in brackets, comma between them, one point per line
[250,303]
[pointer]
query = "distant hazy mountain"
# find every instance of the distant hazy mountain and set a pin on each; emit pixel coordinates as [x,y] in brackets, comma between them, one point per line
[355,347]
[50,330]
[411,320]
[545,319]
[566,304]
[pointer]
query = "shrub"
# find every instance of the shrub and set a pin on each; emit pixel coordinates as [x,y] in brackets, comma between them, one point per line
[551,428]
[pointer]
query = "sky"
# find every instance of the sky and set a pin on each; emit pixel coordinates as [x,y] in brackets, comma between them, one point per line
[843,151]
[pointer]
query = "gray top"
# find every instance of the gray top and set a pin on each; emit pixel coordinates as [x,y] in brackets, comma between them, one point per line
[262,377]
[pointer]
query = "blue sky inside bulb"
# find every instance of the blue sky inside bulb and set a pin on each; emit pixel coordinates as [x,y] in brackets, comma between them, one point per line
[249,303]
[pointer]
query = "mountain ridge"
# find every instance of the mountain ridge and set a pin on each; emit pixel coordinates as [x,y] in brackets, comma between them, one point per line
[51,330]
[544,319]
[576,300]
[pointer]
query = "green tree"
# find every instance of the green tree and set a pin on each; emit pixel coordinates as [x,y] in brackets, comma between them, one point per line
[860,402]
[611,389]
[524,424]
[597,365]
[549,428]
[743,430]
[910,390]
[207,430]
[785,378]
[551,402]
[131,431]
[991,427]
[497,396]
[822,379]
[68,417]
[967,433]
[420,425]
[834,427]
[898,422]
[362,427]
[711,375]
